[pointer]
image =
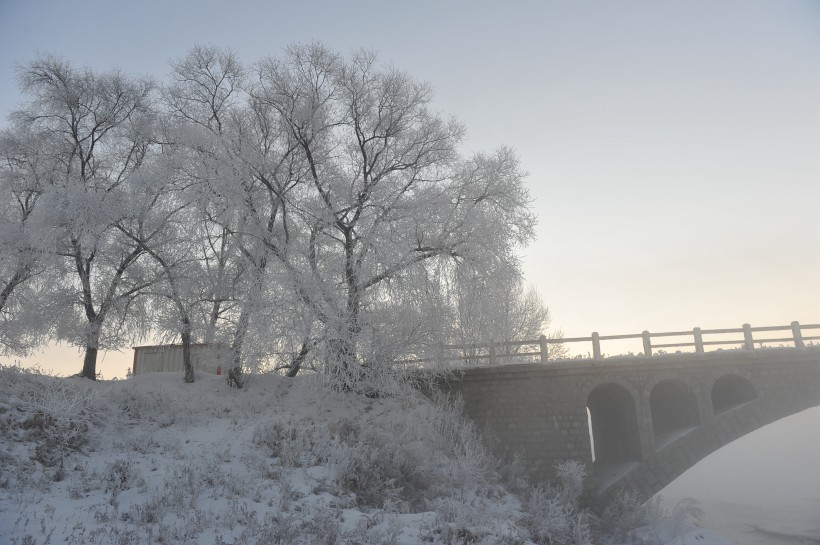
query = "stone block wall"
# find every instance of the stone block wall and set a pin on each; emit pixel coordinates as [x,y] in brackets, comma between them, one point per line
[539,410]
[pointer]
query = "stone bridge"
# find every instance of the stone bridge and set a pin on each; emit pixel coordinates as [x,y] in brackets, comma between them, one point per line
[637,422]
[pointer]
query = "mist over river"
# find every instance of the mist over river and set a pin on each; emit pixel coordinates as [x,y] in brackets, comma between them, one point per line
[763,488]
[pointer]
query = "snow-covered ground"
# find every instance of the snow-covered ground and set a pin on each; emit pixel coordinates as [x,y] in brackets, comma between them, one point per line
[763,488]
[204,463]
[152,460]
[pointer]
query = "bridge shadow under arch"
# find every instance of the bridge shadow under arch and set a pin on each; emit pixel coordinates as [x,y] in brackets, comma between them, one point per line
[674,409]
[730,391]
[614,422]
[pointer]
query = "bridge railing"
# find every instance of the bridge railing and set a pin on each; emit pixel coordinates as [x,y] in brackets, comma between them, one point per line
[545,349]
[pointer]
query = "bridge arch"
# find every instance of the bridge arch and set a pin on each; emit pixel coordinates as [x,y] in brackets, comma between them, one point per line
[552,413]
[613,424]
[674,409]
[730,391]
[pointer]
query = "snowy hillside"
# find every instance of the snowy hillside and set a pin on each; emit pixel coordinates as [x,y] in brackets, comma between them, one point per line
[152,460]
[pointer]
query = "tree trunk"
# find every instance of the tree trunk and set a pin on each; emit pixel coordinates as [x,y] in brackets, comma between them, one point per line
[22,274]
[342,362]
[343,357]
[212,320]
[297,362]
[91,347]
[90,363]
[186,350]
[235,376]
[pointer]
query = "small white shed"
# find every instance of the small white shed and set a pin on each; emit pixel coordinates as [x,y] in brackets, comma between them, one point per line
[208,358]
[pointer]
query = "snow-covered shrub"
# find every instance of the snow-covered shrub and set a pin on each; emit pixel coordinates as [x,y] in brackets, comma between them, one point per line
[552,513]
[373,531]
[119,475]
[148,512]
[146,405]
[295,444]
[514,475]
[377,468]
[345,429]
[429,451]
[275,529]
[184,529]
[547,518]
[647,523]
[139,443]
[81,482]
[471,463]
[665,527]
[620,518]
[287,495]
[323,525]
[476,521]
[685,511]
[571,475]
[409,458]
[458,522]
[184,482]
[50,415]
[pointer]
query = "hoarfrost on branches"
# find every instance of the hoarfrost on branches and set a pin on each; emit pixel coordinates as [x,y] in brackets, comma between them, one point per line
[309,211]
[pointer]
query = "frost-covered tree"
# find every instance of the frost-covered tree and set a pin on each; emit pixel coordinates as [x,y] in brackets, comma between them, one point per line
[493,306]
[312,208]
[341,189]
[167,213]
[26,171]
[367,189]
[241,168]
[98,129]
[203,98]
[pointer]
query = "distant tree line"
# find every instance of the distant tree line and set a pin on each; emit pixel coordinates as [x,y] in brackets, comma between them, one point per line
[310,210]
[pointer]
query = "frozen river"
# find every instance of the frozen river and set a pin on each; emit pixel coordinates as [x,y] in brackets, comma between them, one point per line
[764,488]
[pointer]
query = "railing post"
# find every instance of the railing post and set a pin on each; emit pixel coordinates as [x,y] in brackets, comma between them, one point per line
[542,342]
[798,335]
[698,340]
[647,343]
[748,341]
[596,345]
[492,353]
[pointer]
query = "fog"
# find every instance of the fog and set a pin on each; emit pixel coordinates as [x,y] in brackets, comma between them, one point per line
[768,479]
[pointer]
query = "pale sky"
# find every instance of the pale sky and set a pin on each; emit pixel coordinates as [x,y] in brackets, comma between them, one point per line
[673,147]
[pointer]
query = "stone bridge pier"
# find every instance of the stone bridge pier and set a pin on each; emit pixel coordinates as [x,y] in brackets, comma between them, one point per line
[636,422]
